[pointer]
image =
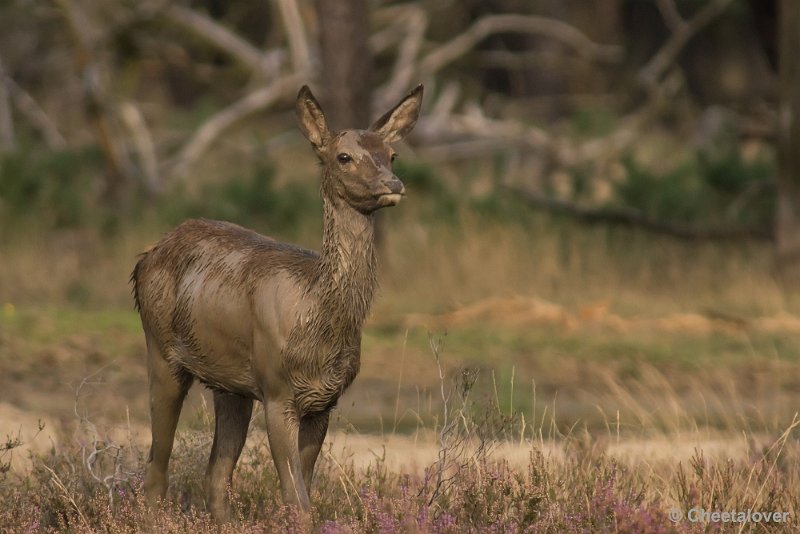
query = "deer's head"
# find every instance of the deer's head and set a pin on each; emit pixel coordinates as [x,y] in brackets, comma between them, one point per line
[358,163]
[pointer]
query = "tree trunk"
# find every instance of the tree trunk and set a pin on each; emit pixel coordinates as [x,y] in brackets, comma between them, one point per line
[7,137]
[787,230]
[346,62]
[346,69]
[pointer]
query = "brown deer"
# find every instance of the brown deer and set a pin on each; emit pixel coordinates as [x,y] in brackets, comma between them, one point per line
[256,319]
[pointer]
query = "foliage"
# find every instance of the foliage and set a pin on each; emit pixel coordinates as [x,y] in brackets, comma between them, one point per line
[721,189]
[433,195]
[61,189]
[251,199]
[57,187]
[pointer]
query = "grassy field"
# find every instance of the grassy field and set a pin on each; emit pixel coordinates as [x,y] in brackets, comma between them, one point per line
[596,378]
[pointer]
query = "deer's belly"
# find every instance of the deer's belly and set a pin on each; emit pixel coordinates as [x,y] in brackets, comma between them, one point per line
[214,342]
[221,366]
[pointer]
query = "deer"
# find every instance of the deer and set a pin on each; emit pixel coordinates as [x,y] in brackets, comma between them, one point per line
[256,319]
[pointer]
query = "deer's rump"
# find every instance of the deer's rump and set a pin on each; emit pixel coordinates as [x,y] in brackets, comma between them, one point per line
[196,290]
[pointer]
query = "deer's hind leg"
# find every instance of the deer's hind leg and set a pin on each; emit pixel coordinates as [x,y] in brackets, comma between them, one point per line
[232,419]
[167,392]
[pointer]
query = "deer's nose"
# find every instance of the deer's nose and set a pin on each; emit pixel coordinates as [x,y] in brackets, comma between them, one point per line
[394,186]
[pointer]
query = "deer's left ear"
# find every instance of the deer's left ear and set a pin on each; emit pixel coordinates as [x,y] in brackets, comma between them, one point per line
[400,120]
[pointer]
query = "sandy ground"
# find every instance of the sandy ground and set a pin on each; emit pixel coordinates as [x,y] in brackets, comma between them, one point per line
[41,407]
[400,453]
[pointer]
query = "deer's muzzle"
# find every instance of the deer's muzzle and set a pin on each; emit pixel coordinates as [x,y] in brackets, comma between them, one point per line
[395,190]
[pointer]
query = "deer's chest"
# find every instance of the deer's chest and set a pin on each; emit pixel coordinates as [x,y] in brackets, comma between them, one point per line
[321,368]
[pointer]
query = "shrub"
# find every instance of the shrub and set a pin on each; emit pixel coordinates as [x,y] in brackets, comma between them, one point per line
[253,199]
[57,188]
[714,189]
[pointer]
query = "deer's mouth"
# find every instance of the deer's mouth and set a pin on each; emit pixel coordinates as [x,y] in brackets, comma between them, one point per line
[395,190]
[390,199]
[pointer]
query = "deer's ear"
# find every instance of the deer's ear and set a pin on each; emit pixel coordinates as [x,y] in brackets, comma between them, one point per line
[400,120]
[311,119]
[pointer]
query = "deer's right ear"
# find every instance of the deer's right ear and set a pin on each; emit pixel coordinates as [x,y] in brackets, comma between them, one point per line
[311,119]
[398,121]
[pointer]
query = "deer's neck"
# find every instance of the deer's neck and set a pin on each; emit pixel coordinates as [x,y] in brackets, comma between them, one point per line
[347,269]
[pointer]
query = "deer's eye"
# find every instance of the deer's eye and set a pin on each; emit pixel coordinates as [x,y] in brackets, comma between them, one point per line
[344,158]
[394,157]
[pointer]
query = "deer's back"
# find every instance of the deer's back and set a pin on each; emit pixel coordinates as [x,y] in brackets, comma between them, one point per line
[195,291]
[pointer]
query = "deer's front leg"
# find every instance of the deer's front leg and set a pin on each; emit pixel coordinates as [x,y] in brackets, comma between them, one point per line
[282,431]
[312,433]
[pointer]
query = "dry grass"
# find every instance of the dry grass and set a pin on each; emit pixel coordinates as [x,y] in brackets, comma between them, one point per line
[429,267]
[616,376]
[454,481]
[632,272]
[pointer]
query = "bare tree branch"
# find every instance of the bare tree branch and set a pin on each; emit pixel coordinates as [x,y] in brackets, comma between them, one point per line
[223,120]
[265,64]
[672,17]
[634,218]
[415,22]
[296,34]
[475,125]
[669,52]
[100,108]
[631,125]
[133,120]
[448,97]
[35,115]
[120,18]
[395,28]
[492,24]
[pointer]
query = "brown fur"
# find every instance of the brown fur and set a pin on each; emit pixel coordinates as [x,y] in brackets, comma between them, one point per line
[257,319]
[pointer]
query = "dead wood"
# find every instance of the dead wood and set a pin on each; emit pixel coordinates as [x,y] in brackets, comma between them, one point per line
[622,216]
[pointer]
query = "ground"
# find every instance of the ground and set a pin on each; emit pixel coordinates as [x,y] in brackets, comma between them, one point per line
[562,369]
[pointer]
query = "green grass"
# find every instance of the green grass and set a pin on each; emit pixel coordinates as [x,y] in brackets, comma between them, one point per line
[563,364]
[545,345]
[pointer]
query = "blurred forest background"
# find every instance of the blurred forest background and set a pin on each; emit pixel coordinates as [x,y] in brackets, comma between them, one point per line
[593,186]
[598,258]
[659,114]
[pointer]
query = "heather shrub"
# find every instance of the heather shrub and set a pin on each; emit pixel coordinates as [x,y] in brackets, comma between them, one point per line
[575,494]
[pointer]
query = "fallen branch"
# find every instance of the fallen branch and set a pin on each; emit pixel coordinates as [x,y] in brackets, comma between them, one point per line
[467,149]
[475,125]
[635,219]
